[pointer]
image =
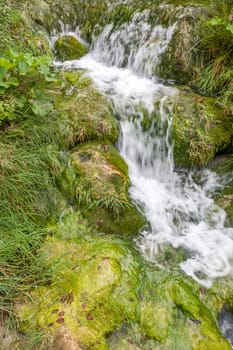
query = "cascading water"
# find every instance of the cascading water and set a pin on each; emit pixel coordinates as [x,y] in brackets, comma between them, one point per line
[180,212]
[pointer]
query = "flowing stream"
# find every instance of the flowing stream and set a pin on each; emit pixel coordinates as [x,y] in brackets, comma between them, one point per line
[180,211]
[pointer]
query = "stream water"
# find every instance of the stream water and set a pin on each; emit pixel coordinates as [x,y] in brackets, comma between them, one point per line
[180,211]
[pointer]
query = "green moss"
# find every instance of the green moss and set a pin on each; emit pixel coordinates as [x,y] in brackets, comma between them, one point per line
[173,314]
[84,118]
[200,129]
[95,177]
[69,48]
[98,285]
[129,222]
[92,291]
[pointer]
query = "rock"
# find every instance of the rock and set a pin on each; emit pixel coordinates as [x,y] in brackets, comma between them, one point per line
[85,113]
[98,285]
[200,129]
[96,179]
[67,47]
[225,320]
[93,280]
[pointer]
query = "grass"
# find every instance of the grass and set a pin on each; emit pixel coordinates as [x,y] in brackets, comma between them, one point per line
[26,179]
[26,191]
[216,39]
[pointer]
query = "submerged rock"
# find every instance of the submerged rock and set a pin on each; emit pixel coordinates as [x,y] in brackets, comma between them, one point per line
[67,47]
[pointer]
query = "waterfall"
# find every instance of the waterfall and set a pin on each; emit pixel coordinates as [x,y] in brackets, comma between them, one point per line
[180,212]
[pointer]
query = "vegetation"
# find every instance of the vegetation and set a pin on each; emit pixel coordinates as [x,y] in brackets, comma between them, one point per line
[200,128]
[216,35]
[61,278]
[25,182]
[98,284]
[24,79]
[35,101]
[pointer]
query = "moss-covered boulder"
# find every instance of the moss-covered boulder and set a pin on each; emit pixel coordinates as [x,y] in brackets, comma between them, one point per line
[177,298]
[99,285]
[93,287]
[67,47]
[172,316]
[85,113]
[200,129]
[96,178]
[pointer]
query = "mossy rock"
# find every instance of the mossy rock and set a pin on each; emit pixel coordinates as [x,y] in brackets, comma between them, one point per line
[92,291]
[85,113]
[172,316]
[129,222]
[67,47]
[96,179]
[99,284]
[200,129]
[173,313]
[182,60]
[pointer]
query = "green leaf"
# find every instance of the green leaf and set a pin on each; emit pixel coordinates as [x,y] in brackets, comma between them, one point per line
[13,81]
[12,54]
[5,63]
[51,78]
[3,72]
[216,21]
[21,101]
[43,69]
[229,27]
[23,68]
[29,59]
[41,107]
[4,84]
[10,82]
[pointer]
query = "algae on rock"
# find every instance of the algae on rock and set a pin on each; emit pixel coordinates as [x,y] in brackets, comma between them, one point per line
[93,286]
[67,47]
[98,284]
[86,114]
[96,179]
[200,129]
